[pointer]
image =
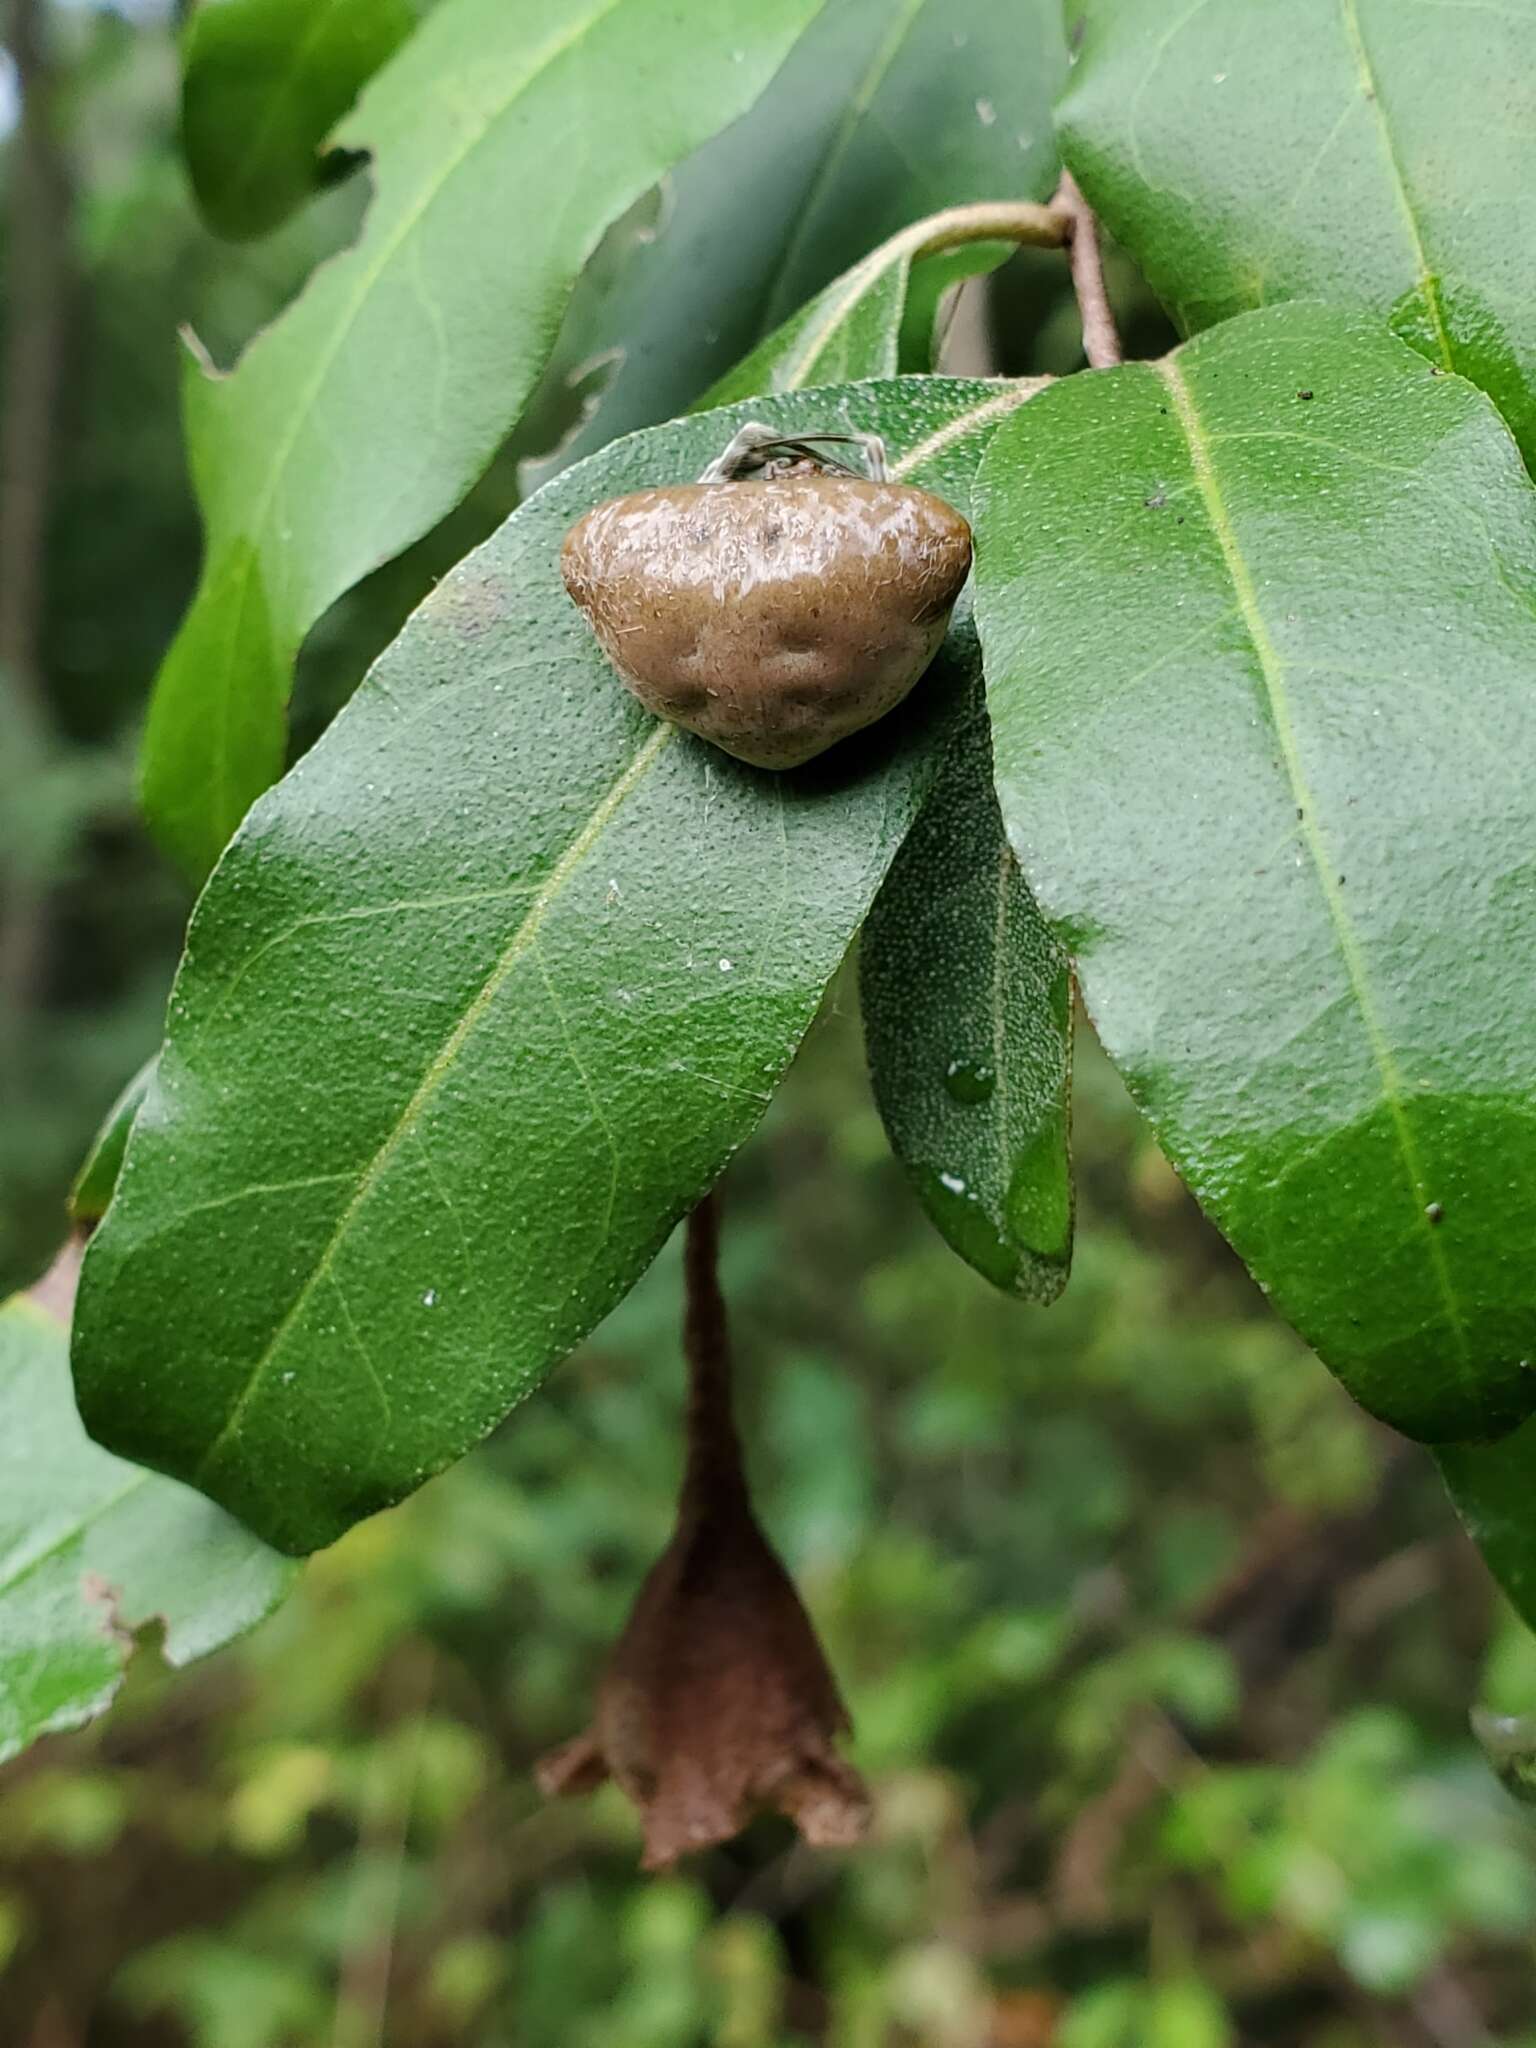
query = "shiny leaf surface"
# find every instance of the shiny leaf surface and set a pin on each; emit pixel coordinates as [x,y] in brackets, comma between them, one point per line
[476,1006]
[967,1003]
[365,412]
[1260,632]
[1493,1487]
[1379,153]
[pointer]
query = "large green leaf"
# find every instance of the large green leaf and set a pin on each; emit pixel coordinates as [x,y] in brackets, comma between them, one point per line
[1375,152]
[1260,632]
[476,1005]
[264,82]
[365,412]
[92,1549]
[967,1003]
[886,110]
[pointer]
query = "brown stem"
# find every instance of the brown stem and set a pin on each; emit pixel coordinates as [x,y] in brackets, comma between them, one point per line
[985,220]
[38,245]
[1101,338]
[714,1479]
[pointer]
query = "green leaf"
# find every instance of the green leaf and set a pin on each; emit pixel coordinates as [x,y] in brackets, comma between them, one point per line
[92,1549]
[967,1002]
[366,411]
[475,1007]
[97,1178]
[1493,1487]
[1260,632]
[264,82]
[1379,153]
[855,327]
[851,329]
[931,103]
[887,110]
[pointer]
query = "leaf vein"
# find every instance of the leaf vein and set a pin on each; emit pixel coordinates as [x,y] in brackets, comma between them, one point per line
[1272,669]
[522,939]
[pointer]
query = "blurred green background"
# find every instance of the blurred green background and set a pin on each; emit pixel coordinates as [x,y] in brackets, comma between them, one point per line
[1159,1653]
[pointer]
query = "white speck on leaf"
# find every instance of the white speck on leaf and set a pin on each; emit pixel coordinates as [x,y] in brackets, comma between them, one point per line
[429,1299]
[986,113]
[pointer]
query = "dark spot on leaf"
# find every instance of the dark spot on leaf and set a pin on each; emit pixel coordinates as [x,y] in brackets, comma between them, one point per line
[1303,395]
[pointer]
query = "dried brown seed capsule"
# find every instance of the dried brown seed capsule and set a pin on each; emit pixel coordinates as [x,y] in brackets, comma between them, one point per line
[773,616]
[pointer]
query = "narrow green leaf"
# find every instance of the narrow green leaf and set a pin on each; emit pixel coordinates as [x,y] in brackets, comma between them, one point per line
[851,329]
[475,1007]
[1260,633]
[263,83]
[967,1002]
[1493,1487]
[92,1549]
[1379,153]
[886,110]
[97,1178]
[365,412]
[855,328]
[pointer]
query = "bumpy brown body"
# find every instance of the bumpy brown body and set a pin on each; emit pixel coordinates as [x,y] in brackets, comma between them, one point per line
[772,617]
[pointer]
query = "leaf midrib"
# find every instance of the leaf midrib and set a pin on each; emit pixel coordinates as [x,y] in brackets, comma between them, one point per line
[522,939]
[73,1533]
[371,273]
[1428,282]
[526,934]
[1272,668]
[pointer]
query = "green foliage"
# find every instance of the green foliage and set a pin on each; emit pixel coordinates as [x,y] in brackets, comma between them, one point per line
[954,949]
[1249,616]
[92,1549]
[1158,1657]
[547,948]
[413,352]
[1181,2013]
[855,327]
[967,1003]
[1378,153]
[1491,1487]
[798,192]
[97,1178]
[982,1525]
[1352,1849]
[264,82]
